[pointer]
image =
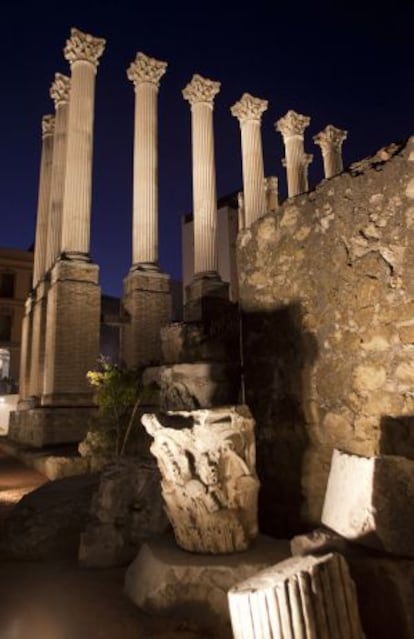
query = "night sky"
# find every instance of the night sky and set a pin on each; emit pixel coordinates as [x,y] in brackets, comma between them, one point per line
[345,65]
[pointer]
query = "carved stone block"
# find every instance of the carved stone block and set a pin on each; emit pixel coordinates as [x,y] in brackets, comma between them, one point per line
[370,500]
[209,481]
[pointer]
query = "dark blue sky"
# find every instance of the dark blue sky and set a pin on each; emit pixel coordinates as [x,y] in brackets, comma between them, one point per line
[345,65]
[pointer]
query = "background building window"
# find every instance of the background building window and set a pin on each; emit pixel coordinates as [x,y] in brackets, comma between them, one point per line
[7,285]
[5,328]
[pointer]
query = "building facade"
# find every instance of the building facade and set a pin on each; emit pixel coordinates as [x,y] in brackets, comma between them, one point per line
[16,266]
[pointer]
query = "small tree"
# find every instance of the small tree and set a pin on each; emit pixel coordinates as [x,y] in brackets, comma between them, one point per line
[118,393]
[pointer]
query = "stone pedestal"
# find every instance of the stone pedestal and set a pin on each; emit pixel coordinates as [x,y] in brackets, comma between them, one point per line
[207,298]
[147,308]
[72,333]
[166,580]
[41,426]
[300,598]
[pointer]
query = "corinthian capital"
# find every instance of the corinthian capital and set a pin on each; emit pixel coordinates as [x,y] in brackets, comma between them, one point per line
[249,108]
[48,125]
[330,138]
[60,89]
[83,46]
[146,69]
[201,90]
[292,124]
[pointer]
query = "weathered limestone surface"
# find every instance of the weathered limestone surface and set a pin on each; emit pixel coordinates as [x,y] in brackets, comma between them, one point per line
[300,598]
[164,579]
[327,290]
[370,500]
[209,481]
[126,509]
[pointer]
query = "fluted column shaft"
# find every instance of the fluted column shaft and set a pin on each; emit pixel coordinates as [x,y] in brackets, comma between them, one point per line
[295,170]
[48,125]
[253,171]
[330,140]
[200,94]
[249,111]
[60,93]
[145,73]
[145,197]
[83,52]
[204,189]
[292,127]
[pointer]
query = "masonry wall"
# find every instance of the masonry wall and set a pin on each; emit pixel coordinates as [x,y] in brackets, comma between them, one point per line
[327,292]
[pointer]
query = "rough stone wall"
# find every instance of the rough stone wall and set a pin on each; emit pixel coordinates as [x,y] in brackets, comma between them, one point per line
[327,292]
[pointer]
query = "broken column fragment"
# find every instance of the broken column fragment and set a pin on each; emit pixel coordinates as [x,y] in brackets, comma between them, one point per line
[300,598]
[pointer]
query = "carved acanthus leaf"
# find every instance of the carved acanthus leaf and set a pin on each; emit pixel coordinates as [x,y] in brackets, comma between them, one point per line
[249,108]
[60,89]
[330,138]
[83,46]
[201,90]
[146,69]
[292,124]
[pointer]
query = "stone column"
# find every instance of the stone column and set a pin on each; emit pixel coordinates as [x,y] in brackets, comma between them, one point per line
[83,52]
[292,127]
[31,328]
[48,128]
[146,299]
[330,140]
[307,161]
[249,112]
[59,92]
[272,193]
[299,598]
[25,356]
[207,284]
[73,307]
[200,93]
[145,73]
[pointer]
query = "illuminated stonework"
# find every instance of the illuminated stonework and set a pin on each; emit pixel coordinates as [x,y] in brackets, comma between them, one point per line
[310,597]
[209,481]
[248,110]
[146,69]
[200,93]
[145,73]
[292,127]
[83,47]
[330,140]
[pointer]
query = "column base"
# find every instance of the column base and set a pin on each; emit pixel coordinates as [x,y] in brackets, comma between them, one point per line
[146,308]
[44,426]
[206,297]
